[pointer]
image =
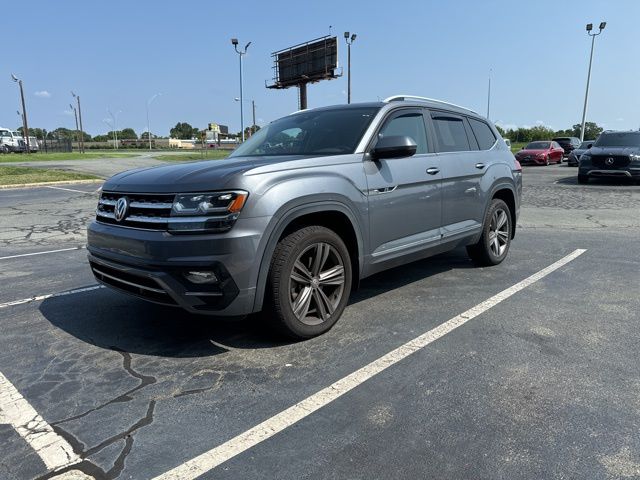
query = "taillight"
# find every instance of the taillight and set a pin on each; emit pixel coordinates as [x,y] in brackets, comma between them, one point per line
[518,166]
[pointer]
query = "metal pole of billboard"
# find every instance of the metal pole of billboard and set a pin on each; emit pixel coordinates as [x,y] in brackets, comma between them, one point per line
[241,53]
[302,87]
[586,94]
[349,40]
[25,127]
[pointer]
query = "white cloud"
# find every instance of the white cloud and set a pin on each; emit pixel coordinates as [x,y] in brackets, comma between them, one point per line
[67,112]
[620,119]
[42,94]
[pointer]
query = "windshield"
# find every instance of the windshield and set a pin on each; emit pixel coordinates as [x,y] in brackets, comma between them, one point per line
[17,134]
[585,145]
[5,133]
[619,139]
[537,146]
[322,132]
[562,140]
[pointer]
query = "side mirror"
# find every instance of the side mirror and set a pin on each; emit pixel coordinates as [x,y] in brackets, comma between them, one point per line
[394,147]
[589,145]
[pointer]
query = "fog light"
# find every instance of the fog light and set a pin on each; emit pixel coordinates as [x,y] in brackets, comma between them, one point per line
[200,277]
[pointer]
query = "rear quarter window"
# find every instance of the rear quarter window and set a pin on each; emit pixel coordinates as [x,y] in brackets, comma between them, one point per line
[483,133]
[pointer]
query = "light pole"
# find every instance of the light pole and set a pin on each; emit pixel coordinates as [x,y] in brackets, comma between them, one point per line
[349,41]
[586,94]
[241,53]
[75,114]
[489,95]
[77,97]
[253,110]
[25,126]
[115,127]
[149,102]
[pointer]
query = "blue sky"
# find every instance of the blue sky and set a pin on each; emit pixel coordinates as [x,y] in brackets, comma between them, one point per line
[117,54]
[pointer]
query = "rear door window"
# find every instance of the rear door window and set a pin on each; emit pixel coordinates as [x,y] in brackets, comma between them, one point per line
[450,133]
[483,133]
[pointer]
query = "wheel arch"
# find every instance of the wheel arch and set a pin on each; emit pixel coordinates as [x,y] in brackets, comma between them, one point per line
[506,193]
[331,214]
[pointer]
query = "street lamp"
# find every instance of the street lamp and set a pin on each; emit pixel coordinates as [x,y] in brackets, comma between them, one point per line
[77,97]
[489,94]
[149,102]
[241,53]
[349,40]
[586,94]
[75,114]
[253,109]
[25,127]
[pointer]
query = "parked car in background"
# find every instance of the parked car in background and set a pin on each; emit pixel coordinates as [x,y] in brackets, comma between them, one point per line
[614,154]
[11,141]
[568,144]
[540,153]
[574,157]
[305,208]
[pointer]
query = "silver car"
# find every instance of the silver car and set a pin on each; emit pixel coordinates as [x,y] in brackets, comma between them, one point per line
[310,205]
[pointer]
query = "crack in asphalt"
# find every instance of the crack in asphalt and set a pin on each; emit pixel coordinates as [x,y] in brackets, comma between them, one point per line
[118,466]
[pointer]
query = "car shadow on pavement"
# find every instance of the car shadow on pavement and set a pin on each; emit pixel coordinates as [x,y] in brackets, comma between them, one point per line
[119,322]
[612,182]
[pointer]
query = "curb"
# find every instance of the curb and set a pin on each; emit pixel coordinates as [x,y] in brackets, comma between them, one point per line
[44,184]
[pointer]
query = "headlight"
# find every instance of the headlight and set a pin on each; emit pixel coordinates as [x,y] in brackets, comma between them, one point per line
[585,157]
[540,155]
[634,157]
[206,212]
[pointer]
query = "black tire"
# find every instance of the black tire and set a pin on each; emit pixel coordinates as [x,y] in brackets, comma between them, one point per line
[582,179]
[484,252]
[286,284]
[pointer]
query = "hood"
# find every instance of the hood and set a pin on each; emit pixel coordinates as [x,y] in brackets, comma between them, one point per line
[532,152]
[614,150]
[188,176]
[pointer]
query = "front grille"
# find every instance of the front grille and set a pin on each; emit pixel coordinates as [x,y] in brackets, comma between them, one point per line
[146,210]
[619,161]
[140,286]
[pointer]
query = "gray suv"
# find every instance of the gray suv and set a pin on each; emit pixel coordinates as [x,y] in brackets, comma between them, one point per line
[310,205]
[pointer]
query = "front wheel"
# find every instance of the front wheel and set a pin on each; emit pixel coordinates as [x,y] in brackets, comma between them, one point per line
[309,282]
[493,246]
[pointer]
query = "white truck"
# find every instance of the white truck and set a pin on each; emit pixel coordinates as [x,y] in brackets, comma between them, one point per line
[11,141]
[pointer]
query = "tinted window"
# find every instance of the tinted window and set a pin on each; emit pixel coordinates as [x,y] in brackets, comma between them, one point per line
[410,124]
[451,134]
[618,139]
[316,132]
[483,133]
[585,145]
[537,146]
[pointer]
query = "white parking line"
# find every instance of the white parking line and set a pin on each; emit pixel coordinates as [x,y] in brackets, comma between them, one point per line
[49,295]
[209,460]
[54,450]
[71,190]
[79,247]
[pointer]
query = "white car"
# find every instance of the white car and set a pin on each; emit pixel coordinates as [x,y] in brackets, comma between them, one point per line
[11,141]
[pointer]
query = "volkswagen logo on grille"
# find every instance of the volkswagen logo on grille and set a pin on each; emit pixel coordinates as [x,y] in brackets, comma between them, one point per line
[609,161]
[121,209]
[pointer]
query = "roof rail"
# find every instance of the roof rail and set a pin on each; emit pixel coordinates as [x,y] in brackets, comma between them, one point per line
[399,98]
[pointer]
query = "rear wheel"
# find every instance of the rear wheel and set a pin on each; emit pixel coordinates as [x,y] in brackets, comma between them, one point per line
[309,282]
[582,179]
[493,246]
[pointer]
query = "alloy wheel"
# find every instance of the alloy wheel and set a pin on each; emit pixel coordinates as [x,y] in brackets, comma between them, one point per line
[498,232]
[316,283]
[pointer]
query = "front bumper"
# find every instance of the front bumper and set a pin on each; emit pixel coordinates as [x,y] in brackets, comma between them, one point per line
[595,172]
[151,265]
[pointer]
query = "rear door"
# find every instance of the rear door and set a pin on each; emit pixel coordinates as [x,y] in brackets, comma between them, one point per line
[403,193]
[462,165]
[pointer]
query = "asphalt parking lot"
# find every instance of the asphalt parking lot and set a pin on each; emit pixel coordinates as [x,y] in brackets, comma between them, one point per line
[543,383]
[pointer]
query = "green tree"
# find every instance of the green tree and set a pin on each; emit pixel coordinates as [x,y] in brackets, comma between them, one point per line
[591,130]
[501,130]
[183,131]
[127,134]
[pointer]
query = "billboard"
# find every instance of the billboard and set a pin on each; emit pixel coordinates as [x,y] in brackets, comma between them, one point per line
[306,63]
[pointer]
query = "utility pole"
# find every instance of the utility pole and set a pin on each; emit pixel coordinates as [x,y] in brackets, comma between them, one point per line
[253,107]
[77,97]
[241,53]
[149,102]
[25,126]
[75,114]
[349,40]
[586,94]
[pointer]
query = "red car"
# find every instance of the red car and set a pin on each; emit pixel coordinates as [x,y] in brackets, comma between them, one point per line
[541,153]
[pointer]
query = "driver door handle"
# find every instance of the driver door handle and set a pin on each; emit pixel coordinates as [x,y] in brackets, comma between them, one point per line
[480,166]
[433,170]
